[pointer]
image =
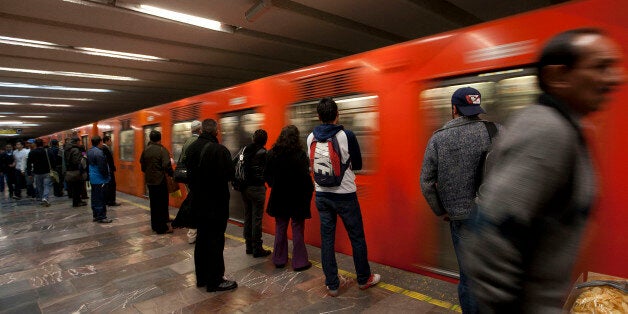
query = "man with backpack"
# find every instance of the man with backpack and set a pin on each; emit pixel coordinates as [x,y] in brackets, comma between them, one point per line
[249,174]
[334,153]
[452,170]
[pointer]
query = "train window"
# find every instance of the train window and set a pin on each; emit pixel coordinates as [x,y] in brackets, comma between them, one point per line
[237,128]
[127,142]
[502,92]
[181,131]
[358,113]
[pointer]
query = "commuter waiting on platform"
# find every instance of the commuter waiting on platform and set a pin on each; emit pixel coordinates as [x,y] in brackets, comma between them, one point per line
[195,128]
[98,177]
[210,170]
[336,194]
[288,176]
[110,195]
[451,173]
[155,162]
[75,173]
[541,185]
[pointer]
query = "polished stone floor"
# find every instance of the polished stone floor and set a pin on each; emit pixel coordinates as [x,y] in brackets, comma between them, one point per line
[56,260]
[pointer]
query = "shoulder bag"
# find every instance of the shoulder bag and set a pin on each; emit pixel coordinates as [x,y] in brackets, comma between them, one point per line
[54,176]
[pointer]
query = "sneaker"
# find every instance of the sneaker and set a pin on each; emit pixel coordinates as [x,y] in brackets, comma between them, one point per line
[223,286]
[105,221]
[332,292]
[45,202]
[373,280]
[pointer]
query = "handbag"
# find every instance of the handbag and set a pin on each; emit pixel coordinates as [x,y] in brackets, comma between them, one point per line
[172,186]
[54,176]
[181,174]
[185,216]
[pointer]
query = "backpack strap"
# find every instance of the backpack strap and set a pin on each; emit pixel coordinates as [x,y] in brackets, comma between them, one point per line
[492,130]
[200,159]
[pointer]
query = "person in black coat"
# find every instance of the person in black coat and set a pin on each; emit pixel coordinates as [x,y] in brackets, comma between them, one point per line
[210,170]
[287,173]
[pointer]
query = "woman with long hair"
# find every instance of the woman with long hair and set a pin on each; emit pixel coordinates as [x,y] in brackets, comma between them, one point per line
[287,174]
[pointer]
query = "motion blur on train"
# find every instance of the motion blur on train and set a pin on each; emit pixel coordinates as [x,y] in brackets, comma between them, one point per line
[393,98]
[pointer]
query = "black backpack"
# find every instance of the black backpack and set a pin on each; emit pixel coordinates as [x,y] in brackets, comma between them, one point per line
[481,169]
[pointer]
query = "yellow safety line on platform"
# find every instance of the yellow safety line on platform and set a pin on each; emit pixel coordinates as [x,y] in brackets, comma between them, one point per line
[392,288]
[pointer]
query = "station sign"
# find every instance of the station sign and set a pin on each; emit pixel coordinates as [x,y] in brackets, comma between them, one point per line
[10,131]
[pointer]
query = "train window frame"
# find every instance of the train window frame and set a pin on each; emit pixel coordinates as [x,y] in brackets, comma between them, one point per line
[495,108]
[176,136]
[125,148]
[254,117]
[368,139]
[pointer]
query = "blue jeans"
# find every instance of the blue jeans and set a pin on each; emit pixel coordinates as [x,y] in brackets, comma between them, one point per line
[43,184]
[460,230]
[348,209]
[99,209]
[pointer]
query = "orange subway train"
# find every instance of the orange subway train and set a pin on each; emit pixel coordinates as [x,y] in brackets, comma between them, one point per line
[393,98]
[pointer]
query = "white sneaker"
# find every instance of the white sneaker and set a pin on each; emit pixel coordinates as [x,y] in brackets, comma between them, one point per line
[191,236]
[373,280]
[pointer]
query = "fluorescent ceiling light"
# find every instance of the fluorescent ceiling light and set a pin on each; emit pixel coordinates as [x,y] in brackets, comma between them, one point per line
[44,97]
[30,124]
[1,134]
[118,54]
[27,42]
[50,105]
[34,117]
[7,112]
[4,103]
[182,17]
[75,74]
[52,87]
[11,122]
[3,116]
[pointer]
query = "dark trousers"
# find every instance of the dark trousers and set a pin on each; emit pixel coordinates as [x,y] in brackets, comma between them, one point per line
[349,211]
[74,189]
[20,183]
[158,196]
[299,250]
[253,198]
[58,187]
[110,197]
[460,232]
[209,263]
[11,180]
[99,209]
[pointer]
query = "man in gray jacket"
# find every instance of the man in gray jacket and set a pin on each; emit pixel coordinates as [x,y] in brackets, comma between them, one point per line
[535,200]
[450,173]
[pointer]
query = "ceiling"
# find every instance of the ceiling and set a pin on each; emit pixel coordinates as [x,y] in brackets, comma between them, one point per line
[274,37]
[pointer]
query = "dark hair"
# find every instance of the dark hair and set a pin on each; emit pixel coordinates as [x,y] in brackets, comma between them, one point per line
[210,126]
[39,142]
[96,139]
[154,136]
[106,138]
[560,50]
[327,110]
[260,137]
[288,140]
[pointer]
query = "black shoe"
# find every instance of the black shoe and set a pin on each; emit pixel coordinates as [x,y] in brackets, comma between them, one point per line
[80,204]
[114,204]
[223,286]
[200,284]
[280,265]
[306,267]
[105,221]
[249,251]
[261,253]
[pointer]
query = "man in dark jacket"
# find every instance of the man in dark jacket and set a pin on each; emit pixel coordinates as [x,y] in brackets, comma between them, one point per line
[210,169]
[98,177]
[253,193]
[7,162]
[56,152]
[155,161]
[110,194]
[39,162]
[74,171]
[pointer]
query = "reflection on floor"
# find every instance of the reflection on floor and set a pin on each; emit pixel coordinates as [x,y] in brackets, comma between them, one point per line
[56,260]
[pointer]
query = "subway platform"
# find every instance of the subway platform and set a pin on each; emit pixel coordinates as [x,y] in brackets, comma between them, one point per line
[56,260]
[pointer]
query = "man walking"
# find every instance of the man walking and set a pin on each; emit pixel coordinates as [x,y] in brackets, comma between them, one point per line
[535,200]
[7,162]
[98,178]
[338,198]
[39,163]
[451,171]
[210,169]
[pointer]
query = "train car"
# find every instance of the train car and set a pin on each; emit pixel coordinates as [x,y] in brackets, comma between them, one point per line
[393,99]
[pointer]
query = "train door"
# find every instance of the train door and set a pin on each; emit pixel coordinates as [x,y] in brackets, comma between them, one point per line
[503,93]
[236,129]
[147,130]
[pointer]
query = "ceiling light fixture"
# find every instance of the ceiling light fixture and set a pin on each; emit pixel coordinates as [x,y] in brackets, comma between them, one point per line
[52,87]
[181,17]
[118,54]
[34,117]
[50,105]
[3,103]
[44,97]
[11,122]
[27,42]
[257,10]
[74,74]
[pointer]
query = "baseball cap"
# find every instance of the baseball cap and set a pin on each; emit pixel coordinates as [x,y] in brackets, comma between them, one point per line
[467,100]
[32,141]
